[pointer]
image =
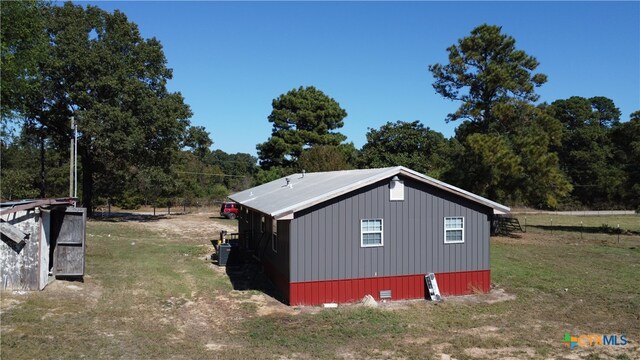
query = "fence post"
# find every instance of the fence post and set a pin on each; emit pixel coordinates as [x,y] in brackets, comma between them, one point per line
[581,226]
[618,234]
[525,224]
[551,225]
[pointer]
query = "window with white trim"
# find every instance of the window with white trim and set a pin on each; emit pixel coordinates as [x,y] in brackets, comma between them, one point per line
[371,232]
[454,230]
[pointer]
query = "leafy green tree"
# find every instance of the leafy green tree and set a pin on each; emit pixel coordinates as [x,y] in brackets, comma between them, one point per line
[23,43]
[197,138]
[19,169]
[485,69]
[409,144]
[153,183]
[194,177]
[503,148]
[265,176]
[516,166]
[323,158]
[32,168]
[587,153]
[626,139]
[302,118]
[99,69]
[239,169]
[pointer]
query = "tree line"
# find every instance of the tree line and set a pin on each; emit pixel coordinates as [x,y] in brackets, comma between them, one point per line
[572,153]
[137,145]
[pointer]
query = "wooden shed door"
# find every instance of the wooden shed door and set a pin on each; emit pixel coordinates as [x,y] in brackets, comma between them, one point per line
[68,256]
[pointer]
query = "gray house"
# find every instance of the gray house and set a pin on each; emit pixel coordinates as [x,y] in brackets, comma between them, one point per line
[337,236]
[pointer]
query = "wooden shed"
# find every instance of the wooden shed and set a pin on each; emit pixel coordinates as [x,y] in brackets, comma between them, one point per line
[338,236]
[41,239]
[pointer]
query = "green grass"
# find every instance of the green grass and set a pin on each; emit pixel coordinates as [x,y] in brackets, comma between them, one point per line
[160,298]
[132,301]
[602,224]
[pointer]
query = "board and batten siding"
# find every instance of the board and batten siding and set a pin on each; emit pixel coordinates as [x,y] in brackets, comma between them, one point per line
[324,240]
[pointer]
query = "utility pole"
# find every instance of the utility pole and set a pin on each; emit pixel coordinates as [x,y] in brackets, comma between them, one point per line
[71,151]
[73,161]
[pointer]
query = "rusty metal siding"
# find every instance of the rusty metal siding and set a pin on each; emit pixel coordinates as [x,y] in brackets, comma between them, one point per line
[325,239]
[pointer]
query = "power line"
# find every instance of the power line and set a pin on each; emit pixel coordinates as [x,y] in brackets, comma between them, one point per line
[208,174]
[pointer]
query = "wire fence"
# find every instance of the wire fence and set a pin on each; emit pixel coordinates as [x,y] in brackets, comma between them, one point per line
[609,226]
[169,207]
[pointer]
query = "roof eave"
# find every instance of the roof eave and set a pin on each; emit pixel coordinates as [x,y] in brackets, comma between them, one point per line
[498,208]
[289,211]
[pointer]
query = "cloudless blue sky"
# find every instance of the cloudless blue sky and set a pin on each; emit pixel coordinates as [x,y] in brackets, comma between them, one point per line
[231,59]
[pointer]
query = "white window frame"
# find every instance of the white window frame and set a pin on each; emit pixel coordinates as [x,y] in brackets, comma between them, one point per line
[453,229]
[381,232]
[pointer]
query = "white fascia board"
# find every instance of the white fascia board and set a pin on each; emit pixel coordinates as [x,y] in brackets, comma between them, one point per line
[288,216]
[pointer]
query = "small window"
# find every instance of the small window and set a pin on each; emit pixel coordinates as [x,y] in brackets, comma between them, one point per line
[371,232]
[274,242]
[453,230]
[396,189]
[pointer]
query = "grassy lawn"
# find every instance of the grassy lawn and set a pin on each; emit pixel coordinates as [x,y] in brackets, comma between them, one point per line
[150,293]
[591,227]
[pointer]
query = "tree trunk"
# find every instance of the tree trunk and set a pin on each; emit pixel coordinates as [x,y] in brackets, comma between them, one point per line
[87,180]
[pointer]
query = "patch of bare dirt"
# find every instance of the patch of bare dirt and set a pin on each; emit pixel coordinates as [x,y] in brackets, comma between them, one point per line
[193,227]
[86,289]
[8,303]
[496,295]
[482,331]
[501,353]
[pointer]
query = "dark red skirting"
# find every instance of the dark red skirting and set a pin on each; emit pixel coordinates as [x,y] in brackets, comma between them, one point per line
[402,287]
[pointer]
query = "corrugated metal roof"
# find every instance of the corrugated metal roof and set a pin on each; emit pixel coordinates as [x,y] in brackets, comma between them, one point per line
[278,199]
[21,205]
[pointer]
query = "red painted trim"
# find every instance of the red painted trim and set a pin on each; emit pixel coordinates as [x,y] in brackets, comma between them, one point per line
[464,282]
[402,287]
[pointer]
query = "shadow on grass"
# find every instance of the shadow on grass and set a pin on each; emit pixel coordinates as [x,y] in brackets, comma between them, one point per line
[247,274]
[115,217]
[604,229]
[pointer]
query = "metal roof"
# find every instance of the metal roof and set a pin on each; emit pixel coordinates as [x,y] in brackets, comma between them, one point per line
[10,207]
[280,198]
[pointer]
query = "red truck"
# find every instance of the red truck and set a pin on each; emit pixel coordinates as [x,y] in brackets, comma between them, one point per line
[229,210]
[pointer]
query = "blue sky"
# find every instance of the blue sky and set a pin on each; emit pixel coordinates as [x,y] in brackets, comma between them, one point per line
[231,59]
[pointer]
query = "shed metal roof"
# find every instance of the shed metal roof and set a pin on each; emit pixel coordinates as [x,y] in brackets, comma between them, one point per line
[280,200]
